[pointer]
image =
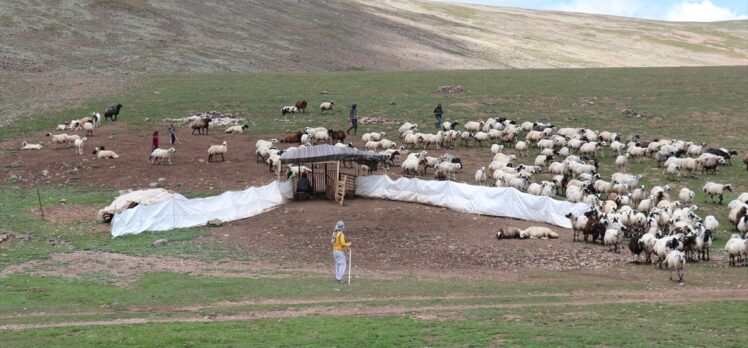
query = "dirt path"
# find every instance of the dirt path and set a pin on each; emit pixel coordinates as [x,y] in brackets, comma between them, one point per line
[435,312]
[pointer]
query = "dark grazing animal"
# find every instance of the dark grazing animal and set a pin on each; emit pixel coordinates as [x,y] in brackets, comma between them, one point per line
[112,112]
[636,245]
[336,136]
[301,105]
[294,138]
[200,124]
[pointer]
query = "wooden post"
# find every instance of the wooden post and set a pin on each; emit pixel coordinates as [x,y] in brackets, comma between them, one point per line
[39,195]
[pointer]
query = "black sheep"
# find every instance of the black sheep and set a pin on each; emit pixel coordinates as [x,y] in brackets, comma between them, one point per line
[112,112]
[724,153]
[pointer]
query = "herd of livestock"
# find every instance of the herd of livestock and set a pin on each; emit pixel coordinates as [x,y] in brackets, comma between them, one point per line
[667,230]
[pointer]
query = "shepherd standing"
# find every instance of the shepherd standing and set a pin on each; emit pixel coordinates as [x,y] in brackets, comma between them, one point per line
[354,121]
[154,143]
[172,134]
[438,115]
[338,250]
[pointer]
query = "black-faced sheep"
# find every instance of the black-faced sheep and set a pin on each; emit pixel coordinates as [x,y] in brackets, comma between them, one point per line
[215,150]
[236,129]
[508,232]
[326,106]
[714,189]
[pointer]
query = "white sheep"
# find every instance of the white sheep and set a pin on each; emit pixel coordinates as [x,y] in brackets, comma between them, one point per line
[473,126]
[743,224]
[574,194]
[215,150]
[447,168]
[78,143]
[63,126]
[686,196]
[27,146]
[496,148]
[673,169]
[321,136]
[59,138]
[289,110]
[326,106]
[236,129]
[676,262]
[613,238]
[621,162]
[666,244]
[89,128]
[521,148]
[102,153]
[714,189]
[161,155]
[711,223]
[537,232]
[737,248]
[480,176]
[408,126]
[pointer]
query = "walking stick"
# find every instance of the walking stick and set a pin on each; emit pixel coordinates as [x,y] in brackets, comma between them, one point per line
[350,264]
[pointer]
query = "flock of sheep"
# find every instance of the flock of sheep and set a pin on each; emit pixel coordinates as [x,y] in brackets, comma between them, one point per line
[158,155]
[668,231]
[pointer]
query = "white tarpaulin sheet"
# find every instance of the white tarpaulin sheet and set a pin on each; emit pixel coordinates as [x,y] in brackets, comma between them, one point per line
[494,201]
[180,212]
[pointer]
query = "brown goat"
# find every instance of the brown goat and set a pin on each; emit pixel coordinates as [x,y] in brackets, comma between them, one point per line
[295,138]
[199,125]
[336,136]
[301,105]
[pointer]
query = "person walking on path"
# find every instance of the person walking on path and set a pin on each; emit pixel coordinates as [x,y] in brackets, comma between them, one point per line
[172,134]
[354,120]
[438,114]
[154,144]
[338,250]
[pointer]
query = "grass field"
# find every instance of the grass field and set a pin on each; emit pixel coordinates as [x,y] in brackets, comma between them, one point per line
[299,307]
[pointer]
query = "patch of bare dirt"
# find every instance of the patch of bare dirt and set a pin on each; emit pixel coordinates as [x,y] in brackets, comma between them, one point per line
[125,269]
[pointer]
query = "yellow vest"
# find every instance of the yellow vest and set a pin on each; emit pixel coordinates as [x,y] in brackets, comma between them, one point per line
[339,242]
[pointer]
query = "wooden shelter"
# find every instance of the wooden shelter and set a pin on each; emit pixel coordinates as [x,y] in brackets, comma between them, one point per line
[330,174]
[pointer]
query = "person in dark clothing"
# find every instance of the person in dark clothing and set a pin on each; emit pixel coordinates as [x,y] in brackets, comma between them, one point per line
[304,185]
[438,114]
[154,144]
[354,120]
[172,134]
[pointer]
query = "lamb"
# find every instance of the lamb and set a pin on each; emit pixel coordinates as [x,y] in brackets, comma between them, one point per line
[78,143]
[27,146]
[537,232]
[372,136]
[112,112]
[236,129]
[326,106]
[215,150]
[161,155]
[714,189]
[300,105]
[289,110]
[101,152]
[62,126]
[412,165]
[676,262]
[737,248]
[200,124]
[496,148]
[508,232]
[480,176]
[480,137]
